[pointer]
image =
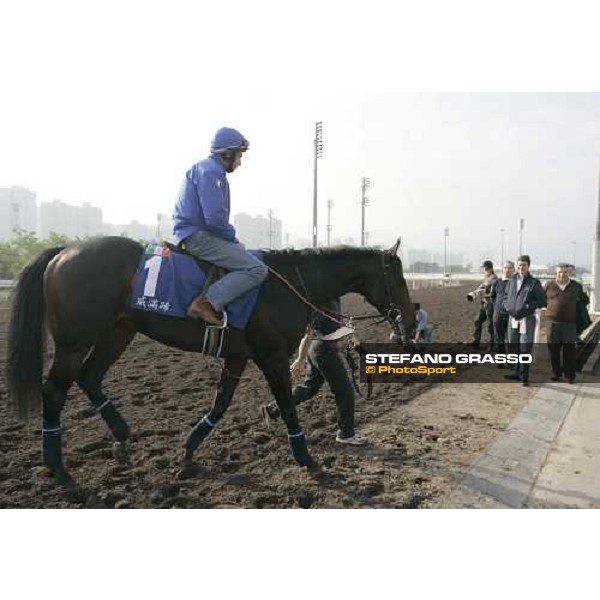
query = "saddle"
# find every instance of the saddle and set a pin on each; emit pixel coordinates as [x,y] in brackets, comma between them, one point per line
[201,308]
[169,279]
[211,271]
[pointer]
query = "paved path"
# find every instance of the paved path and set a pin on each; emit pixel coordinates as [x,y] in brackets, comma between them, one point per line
[548,457]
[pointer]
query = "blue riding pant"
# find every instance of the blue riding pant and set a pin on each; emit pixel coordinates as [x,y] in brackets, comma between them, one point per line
[246,270]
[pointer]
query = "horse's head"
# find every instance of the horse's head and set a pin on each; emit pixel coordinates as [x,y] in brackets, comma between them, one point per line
[386,290]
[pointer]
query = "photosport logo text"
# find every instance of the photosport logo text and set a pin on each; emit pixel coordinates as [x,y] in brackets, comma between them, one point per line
[381,365]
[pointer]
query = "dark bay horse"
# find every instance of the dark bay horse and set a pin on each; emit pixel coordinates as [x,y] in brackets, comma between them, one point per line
[82,293]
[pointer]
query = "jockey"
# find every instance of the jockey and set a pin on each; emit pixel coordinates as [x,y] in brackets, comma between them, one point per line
[201,226]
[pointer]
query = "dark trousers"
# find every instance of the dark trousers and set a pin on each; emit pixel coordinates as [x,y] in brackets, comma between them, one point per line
[486,313]
[562,337]
[326,363]
[522,343]
[501,327]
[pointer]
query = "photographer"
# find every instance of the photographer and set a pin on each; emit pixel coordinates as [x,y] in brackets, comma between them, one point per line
[483,295]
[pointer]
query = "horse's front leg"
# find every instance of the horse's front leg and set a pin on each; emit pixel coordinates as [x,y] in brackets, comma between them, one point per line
[230,377]
[277,372]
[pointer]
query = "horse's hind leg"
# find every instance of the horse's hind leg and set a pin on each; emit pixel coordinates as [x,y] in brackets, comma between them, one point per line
[65,368]
[230,377]
[106,352]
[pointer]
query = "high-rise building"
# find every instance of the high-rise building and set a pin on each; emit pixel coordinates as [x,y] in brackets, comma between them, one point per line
[259,232]
[164,228]
[73,221]
[134,230]
[17,211]
[418,256]
[451,259]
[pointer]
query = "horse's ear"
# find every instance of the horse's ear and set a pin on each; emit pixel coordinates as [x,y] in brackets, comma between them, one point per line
[394,249]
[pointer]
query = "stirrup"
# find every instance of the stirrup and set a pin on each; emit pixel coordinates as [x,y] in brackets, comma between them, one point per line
[218,327]
[213,338]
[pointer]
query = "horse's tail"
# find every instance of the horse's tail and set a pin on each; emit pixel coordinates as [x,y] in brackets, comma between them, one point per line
[26,336]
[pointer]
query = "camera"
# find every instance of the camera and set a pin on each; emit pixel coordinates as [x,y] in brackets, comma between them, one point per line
[476,295]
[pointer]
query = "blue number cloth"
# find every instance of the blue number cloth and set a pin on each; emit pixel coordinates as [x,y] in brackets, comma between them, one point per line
[166,282]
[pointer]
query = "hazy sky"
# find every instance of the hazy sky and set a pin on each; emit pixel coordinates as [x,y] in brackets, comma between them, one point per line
[110,103]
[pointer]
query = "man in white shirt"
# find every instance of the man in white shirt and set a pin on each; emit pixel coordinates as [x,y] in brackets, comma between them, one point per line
[524,295]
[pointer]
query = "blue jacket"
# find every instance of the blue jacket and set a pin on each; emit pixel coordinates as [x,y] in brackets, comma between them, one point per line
[204,203]
[498,291]
[527,300]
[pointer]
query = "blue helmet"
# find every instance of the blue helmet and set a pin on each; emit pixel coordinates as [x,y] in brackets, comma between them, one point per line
[227,139]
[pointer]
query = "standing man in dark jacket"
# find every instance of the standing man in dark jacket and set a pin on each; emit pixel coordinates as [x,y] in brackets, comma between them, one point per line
[524,295]
[562,297]
[201,223]
[500,313]
[583,320]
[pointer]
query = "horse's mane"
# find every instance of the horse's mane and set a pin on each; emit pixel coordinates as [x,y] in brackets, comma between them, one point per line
[291,256]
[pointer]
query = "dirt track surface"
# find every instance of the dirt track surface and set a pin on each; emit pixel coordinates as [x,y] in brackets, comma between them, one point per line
[422,438]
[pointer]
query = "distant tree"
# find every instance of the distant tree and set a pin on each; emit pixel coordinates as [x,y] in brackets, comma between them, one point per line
[16,252]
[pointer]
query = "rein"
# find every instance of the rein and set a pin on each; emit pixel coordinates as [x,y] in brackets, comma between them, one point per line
[391,306]
[302,298]
[350,346]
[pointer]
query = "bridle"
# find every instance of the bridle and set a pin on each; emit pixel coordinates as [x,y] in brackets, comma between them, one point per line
[393,312]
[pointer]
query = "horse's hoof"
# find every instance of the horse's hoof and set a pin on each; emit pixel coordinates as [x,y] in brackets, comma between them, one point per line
[188,469]
[62,477]
[121,451]
[313,466]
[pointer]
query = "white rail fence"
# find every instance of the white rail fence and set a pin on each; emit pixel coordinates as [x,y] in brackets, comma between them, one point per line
[415,281]
[426,280]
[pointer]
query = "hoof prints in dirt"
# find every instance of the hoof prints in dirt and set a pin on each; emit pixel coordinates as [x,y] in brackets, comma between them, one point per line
[162,392]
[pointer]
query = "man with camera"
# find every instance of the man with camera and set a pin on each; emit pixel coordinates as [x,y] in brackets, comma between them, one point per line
[483,295]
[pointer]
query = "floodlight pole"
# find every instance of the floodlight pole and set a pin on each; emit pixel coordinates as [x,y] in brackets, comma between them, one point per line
[329,228]
[158,226]
[318,142]
[270,215]
[446,236]
[595,291]
[521,227]
[366,184]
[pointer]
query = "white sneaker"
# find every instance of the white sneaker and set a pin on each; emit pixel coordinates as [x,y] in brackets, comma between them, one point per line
[356,440]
